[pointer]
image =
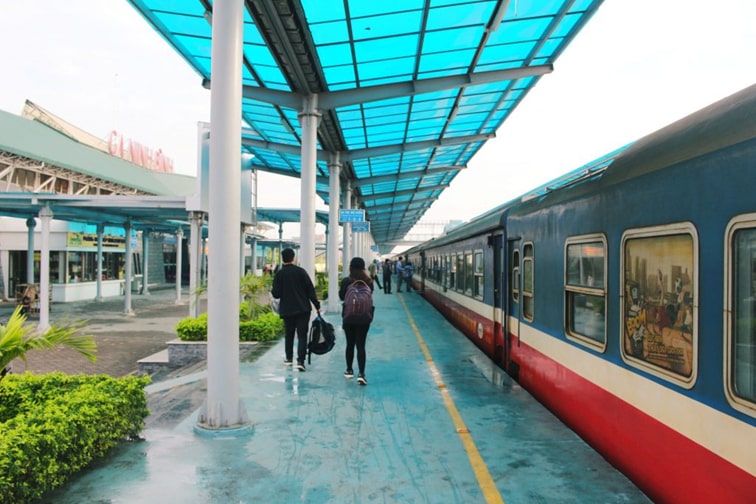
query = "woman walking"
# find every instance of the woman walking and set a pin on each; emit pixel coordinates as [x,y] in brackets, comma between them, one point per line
[356,332]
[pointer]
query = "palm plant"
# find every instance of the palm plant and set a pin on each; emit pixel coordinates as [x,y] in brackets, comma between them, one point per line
[252,287]
[17,338]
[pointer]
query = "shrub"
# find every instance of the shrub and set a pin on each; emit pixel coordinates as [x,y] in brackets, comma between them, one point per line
[193,328]
[52,426]
[265,326]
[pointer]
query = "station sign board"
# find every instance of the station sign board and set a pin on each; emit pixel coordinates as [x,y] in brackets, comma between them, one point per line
[361,227]
[351,215]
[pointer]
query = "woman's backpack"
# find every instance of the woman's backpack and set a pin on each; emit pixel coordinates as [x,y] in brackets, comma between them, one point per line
[358,304]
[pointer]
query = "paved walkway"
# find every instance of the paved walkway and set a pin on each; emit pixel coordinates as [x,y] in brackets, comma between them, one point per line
[121,339]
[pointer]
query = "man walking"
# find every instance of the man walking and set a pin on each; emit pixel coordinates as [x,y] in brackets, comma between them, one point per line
[399,267]
[373,270]
[387,277]
[294,287]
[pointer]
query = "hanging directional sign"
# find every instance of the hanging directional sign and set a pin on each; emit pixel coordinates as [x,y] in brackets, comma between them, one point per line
[351,215]
[361,227]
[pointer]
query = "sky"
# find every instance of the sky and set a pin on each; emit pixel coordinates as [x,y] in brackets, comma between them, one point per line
[637,66]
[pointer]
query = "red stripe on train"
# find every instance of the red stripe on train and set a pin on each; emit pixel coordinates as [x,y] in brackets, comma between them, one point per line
[666,465]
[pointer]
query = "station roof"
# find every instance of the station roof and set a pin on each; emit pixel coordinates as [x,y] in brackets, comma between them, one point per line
[36,141]
[409,91]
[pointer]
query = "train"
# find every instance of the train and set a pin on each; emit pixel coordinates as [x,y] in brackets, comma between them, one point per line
[622,296]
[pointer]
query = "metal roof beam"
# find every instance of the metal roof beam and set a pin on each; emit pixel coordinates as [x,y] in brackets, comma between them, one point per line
[334,99]
[412,146]
[396,177]
[405,192]
[355,96]
[368,152]
[406,204]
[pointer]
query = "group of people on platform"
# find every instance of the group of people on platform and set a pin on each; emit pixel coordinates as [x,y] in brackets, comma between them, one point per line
[401,268]
[295,292]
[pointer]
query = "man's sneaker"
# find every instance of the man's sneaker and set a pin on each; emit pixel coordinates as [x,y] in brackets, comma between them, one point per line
[362,380]
[287,362]
[348,373]
[300,366]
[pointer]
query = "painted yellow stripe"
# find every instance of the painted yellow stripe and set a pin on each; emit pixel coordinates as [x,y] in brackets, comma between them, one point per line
[485,481]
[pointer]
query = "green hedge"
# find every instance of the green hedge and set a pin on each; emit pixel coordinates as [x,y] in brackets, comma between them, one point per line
[265,327]
[52,426]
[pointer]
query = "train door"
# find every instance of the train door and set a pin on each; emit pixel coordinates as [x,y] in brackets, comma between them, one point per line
[499,305]
[423,267]
[512,301]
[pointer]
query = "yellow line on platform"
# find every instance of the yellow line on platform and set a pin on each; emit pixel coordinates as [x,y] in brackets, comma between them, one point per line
[485,481]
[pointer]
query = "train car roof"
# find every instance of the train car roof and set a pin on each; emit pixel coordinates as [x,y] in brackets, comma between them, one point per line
[722,124]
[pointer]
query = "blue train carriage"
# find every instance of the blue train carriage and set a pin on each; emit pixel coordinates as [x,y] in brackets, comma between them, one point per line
[460,273]
[623,296]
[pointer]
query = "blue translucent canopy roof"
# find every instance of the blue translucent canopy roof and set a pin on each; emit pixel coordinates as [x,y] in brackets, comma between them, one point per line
[409,90]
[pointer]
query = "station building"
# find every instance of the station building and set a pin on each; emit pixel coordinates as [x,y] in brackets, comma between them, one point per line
[41,153]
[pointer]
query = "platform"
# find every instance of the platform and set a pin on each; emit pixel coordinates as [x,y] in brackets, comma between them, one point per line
[436,424]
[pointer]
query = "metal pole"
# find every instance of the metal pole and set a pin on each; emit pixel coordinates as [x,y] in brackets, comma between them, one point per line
[30,224]
[179,262]
[45,216]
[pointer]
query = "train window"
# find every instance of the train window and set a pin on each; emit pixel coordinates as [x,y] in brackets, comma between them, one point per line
[460,260]
[469,274]
[659,304]
[452,272]
[740,339]
[528,281]
[478,272]
[585,289]
[515,277]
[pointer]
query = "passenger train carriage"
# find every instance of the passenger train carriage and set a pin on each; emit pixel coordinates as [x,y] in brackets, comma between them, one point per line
[623,297]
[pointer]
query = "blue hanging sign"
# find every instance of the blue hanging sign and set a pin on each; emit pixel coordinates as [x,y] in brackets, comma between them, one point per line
[361,227]
[351,215]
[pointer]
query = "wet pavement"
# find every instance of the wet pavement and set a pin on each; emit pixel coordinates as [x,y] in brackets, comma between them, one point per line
[436,421]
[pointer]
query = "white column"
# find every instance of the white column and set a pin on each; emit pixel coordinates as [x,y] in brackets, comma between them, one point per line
[45,216]
[332,252]
[30,224]
[222,408]
[127,272]
[100,232]
[308,119]
[347,229]
[145,261]
[195,254]
[179,262]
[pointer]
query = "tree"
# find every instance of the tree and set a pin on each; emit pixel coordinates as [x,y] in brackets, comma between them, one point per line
[17,338]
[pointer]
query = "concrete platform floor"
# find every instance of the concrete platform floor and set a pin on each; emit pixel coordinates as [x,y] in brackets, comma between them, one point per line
[436,424]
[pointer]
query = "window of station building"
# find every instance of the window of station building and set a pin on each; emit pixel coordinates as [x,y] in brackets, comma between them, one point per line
[460,284]
[659,311]
[528,281]
[479,280]
[82,266]
[585,289]
[469,273]
[740,337]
